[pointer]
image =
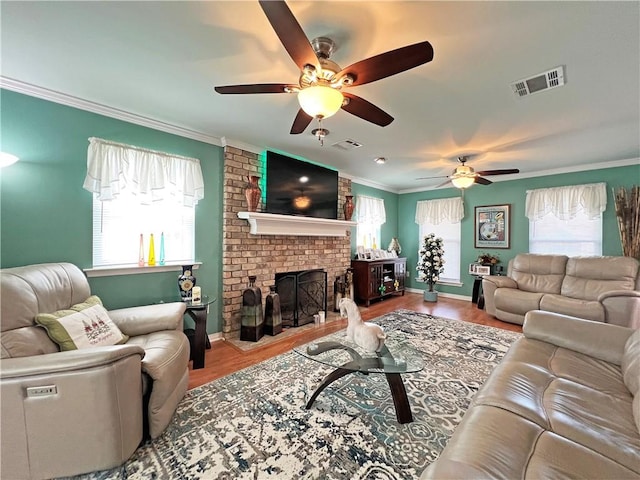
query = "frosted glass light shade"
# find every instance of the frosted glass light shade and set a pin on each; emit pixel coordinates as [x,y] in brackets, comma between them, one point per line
[463,182]
[7,159]
[320,100]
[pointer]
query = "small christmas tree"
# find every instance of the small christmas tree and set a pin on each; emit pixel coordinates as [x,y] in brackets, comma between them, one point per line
[431,263]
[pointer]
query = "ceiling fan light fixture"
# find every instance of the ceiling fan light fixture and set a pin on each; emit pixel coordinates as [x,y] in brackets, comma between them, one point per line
[320,100]
[463,181]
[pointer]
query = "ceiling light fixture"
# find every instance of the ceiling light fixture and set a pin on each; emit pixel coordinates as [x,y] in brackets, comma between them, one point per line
[463,177]
[320,133]
[380,160]
[320,100]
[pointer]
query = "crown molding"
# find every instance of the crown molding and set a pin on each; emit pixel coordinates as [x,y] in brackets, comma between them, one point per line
[556,171]
[247,147]
[76,102]
[369,183]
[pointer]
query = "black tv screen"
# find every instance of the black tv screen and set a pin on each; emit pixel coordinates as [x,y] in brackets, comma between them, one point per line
[301,188]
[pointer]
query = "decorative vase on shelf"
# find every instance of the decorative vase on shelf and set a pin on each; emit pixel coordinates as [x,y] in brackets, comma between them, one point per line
[348,207]
[252,323]
[252,192]
[186,281]
[152,252]
[141,253]
[272,313]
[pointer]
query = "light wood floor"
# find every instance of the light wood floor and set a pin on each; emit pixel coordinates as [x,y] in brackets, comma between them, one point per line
[224,358]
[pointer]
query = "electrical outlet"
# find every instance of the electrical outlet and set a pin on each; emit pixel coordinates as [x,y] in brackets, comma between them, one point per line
[43,391]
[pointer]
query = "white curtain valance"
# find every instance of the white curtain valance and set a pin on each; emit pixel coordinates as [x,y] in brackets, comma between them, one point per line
[370,210]
[442,210]
[151,175]
[566,202]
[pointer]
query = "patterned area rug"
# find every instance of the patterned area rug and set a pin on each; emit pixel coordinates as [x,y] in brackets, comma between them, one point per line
[253,424]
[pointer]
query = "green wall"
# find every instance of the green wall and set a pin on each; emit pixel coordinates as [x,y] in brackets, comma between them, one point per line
[513,193]
[46,214]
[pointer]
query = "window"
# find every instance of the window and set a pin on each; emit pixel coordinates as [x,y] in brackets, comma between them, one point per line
[443,217]
[138,191]
[566,220]
[118,223]
[370,215]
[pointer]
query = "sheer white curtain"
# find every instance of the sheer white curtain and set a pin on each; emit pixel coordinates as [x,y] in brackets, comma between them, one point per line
[370,215]
[370,210]
[151,175]
[566,220]
[442,217]
[435,212]
[566,202]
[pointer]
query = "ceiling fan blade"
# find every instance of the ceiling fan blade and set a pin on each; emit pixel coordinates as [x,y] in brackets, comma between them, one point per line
[254,88]
[443,184]
[301,122]
[389,63]
[289,32]
[367,111]
[499,172]
[431,178]
[483,181]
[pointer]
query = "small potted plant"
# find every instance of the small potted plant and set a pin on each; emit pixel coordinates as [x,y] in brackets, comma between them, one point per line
[431,264]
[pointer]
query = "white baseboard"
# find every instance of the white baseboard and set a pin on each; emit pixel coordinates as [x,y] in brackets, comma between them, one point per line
[216,337]
[442,294]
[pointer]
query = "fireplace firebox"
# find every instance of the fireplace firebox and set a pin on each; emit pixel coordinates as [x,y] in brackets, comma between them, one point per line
[302,295]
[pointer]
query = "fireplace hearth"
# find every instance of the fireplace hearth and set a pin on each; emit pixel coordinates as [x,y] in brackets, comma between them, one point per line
[302,295]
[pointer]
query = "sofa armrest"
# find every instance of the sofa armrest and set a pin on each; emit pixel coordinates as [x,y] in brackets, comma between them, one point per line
[490,283]
[500,281]
[61,362]
[600,340]
[134,321]
[618,293]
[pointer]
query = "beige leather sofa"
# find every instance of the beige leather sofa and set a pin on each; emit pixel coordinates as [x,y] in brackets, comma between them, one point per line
[70,412]
[564,402]
[603,289]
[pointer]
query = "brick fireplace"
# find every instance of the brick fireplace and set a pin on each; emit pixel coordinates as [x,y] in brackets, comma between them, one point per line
[244,254]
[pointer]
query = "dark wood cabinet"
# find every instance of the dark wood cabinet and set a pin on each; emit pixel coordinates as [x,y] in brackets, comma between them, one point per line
[374,279]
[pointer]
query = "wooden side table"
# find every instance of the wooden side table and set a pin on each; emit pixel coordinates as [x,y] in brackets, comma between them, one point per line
[198,312]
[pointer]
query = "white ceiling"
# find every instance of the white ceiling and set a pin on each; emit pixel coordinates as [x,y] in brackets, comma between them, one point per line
[161,60]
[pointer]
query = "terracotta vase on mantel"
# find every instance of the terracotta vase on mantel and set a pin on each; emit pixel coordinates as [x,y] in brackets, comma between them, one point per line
[348,207]
[252,192]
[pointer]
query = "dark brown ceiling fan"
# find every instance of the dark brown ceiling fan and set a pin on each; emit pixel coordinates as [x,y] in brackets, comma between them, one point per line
[321,80]
[464,176]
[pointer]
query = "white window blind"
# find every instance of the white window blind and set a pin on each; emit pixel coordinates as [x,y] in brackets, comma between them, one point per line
[117,225]
[566,220]
[443,217]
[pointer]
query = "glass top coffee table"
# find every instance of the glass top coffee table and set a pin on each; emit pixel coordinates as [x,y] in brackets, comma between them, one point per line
[396,357]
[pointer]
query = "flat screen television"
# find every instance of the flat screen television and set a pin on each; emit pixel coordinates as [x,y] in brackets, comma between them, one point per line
[295,187]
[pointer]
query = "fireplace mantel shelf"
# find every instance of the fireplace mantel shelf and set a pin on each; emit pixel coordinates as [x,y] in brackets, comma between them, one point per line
[273,224]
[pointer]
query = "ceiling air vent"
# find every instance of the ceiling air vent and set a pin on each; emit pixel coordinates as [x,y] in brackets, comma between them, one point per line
[539,83]
[347,144]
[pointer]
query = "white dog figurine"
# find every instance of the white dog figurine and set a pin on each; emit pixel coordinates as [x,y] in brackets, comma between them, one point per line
[366,335]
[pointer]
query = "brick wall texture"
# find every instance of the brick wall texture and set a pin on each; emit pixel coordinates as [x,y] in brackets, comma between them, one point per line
[244,254]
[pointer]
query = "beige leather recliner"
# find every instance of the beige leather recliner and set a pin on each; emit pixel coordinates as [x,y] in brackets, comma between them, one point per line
[602,289]
[65,413]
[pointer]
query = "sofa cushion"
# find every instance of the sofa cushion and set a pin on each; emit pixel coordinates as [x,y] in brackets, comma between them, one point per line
[84,325]
[517,301]
[539,273]
[631,370]
[589,277]
[589,310]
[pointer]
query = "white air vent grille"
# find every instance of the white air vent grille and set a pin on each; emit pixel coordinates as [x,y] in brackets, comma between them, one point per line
[347,144]
[539,83]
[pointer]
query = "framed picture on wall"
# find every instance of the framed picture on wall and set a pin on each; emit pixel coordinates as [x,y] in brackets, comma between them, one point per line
[492,226]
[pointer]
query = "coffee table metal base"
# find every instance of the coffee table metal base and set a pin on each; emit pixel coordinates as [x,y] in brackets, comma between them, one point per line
[396,385]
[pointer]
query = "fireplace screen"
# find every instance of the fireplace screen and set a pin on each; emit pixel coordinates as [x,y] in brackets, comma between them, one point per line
[302,295]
